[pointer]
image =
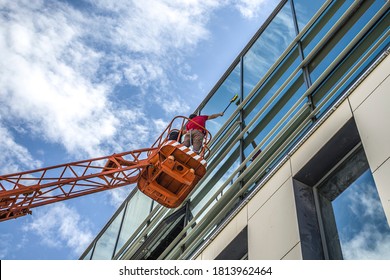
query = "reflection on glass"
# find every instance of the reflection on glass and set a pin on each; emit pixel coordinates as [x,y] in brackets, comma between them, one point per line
[215,180]
[347,33]
[105,245]
[272,85]
[138,208]
[323,24]
[363,229]
[348,69]
[269,46]
[277,110]
[221,99]
[305,10]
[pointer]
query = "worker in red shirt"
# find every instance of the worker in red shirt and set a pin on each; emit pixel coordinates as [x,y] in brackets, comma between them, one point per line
[195,130]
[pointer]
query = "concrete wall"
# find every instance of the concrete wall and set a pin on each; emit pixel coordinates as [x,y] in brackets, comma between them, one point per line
[270,215]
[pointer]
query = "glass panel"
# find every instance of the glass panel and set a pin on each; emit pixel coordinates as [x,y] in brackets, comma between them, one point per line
[350,61]
[361,222]
[305,10]
[221,99]
[138,208]
[161,236]
[229,130]
[106,243]
[343,37]
[269,46]
[267,127]
[214,180]
[278,110]
[266,122]
[273,83]
[323,24]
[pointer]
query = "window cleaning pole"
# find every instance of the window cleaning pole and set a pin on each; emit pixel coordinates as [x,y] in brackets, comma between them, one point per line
[231,101]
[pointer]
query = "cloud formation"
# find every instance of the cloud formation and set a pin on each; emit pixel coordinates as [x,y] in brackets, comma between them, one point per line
[368,244]
[16,156]
[61,226]
[47,75]
[252,8]
[60,65]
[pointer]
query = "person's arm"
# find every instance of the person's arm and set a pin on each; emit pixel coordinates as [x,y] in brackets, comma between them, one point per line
[213,116]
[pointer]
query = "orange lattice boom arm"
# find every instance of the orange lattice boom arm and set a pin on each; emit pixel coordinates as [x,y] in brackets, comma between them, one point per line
[166,172]
[19,192]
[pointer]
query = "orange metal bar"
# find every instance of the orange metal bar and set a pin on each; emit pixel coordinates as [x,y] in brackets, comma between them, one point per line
[19,192]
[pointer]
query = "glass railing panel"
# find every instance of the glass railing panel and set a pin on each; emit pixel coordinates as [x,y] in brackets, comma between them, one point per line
[292,130]
[305,9]
[138,208]
[272,85]
[220,148]
[105,245]
[221,100]
[273,41]
[314,35]
[277,115]
[214,164]
[222,138]
[343,37]
[353,64]
[211,185]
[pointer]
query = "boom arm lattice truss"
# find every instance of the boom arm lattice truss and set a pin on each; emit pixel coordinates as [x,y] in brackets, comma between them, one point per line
[19,192]
[166,172]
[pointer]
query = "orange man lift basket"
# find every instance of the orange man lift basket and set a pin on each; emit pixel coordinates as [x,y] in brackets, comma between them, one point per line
[167,172]
[172,174]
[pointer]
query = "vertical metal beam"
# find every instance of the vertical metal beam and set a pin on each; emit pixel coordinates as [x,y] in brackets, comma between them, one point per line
[320,223]
[119,230]
[305,70]
[242,123]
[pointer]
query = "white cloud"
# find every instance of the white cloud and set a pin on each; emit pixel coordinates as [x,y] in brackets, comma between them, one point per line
[364,202]
[46,78]
[160,124]
[254,8]
[141,72]
[57,76]
[14,156]
[157,26]
[58,226]
[117,196]
[368,244]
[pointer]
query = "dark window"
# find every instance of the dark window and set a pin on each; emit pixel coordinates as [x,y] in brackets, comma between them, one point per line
[237,249]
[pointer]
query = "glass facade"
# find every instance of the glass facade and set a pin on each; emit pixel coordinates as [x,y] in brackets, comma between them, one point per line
[295,68]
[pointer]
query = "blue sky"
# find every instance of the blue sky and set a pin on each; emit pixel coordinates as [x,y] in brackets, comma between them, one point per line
[80,79]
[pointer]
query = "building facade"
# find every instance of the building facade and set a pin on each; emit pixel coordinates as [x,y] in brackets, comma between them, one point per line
[299,168]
